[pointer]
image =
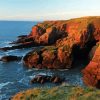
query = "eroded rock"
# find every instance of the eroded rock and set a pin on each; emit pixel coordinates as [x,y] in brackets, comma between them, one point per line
[91,74]
[64,41]
[51,57]
[82,30]
[45,78]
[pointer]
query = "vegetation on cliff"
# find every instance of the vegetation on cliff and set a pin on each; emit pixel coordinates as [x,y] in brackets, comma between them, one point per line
[64,92]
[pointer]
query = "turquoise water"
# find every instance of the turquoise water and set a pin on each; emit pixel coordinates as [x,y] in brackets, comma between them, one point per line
[14,77]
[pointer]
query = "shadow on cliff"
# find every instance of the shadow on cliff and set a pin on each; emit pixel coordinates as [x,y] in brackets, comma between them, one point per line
[80,52]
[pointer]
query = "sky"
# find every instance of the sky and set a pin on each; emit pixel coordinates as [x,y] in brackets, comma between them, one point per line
[47,9]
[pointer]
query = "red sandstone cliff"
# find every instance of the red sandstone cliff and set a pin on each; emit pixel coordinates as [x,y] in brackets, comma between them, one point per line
[69,38]
[63,43]
[91,74]
[72,39]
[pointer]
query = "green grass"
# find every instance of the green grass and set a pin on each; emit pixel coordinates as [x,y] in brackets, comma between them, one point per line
[64,92]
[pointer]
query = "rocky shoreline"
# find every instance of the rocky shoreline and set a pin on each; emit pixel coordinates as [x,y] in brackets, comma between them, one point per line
[60,45]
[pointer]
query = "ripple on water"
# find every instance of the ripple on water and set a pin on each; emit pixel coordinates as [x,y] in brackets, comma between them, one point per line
[4,84]
[3,96]
[5,43]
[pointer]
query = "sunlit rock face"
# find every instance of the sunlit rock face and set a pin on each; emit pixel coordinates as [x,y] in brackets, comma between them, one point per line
[62,43]
[51,57]
[91,74]
[81,30]
[68,39]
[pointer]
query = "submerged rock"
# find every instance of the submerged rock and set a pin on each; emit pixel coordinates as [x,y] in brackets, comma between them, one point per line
[20,46]
[22,36]
[10,58]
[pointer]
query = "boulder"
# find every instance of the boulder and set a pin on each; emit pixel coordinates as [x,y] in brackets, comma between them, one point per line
[40,79]
[46,78]
[57,80]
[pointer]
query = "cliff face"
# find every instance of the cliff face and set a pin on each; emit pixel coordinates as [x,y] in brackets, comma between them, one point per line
[50,31]
[62,44]
[91,74]
[71,39]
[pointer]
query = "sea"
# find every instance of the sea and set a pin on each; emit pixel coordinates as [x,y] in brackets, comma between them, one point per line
[14,76]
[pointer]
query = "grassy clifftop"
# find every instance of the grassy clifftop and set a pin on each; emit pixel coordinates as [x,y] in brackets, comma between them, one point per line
[83,21]
[64,92]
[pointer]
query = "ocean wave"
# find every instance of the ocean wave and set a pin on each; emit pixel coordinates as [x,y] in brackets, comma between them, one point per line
[24,80]
[4,84]
[48,74]
[5,43]
[1,56]
[3,96]
[31,77]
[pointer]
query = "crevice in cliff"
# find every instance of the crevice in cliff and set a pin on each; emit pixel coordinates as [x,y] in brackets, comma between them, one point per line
[40,57]
[98,84]
[81,55]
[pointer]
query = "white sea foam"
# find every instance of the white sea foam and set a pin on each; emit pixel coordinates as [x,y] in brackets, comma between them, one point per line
[41,73]
[49,74]
[6,43]
[29,70]
[4,84]
[0,56]
[24,81]
[31,77]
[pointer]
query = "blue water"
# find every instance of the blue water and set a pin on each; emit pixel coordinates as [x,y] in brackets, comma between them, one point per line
[14,77]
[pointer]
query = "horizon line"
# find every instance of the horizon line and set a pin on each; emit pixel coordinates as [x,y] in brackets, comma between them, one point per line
[41,20]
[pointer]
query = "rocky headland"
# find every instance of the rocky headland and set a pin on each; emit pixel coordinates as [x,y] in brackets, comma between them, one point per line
[61,44]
